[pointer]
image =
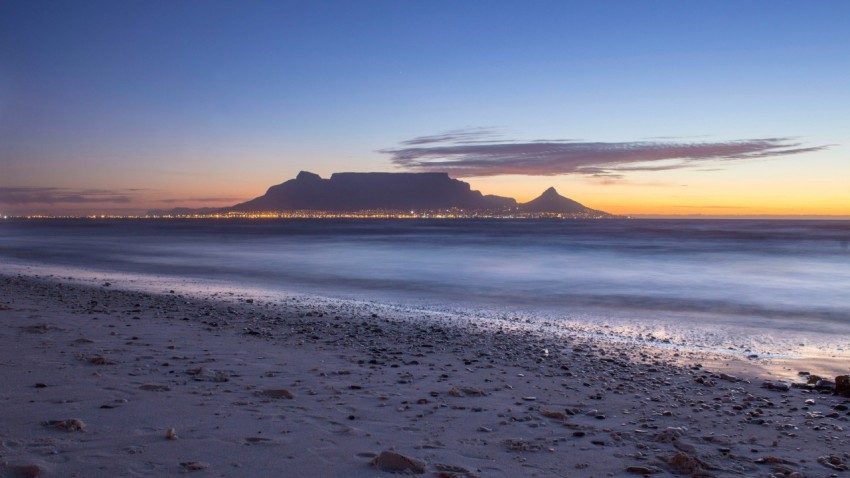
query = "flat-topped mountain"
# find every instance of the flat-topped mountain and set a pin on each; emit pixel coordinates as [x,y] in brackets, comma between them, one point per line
[353,192]
[552,202]
[364,191]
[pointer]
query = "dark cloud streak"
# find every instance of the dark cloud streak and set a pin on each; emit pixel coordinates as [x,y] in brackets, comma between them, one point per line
[466,154]
[182,200]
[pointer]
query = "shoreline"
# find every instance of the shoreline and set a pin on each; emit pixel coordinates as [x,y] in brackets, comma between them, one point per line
[463,398]
[718,340]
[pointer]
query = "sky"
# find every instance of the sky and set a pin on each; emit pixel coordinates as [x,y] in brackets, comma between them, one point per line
[642,108]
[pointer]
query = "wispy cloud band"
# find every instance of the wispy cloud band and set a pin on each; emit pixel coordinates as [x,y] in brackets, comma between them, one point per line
[472,153]
[22,196]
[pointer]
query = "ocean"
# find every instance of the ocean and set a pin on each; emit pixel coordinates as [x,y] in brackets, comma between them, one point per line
[766,275]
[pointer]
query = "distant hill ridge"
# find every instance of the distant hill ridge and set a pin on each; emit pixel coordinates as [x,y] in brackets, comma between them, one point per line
[350,192]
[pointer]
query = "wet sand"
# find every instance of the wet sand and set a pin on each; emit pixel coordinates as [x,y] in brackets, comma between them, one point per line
[100,381]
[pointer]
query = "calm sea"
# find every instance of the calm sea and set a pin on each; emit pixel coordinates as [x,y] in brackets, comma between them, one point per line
[794,271]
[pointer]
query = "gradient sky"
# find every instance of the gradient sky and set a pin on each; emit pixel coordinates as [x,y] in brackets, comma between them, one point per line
[703,107]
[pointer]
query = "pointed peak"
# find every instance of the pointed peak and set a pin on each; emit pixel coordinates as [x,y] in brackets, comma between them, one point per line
[550,192]
[307,176]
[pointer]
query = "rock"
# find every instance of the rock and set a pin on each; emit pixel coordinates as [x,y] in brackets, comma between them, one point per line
[683,464]
[521,445]
[101,361]
[684,446]
[202,374]
[641,470]
[393,462]
[153,387]
[555,415]
[277,393]
[19,471]
[466,392]
[171,434]
[842,385]
[773,460]
[256,440]
[194,465]
[776,386]
[38,329]
[452,471]
[670,435]
[69,425]
[834,462]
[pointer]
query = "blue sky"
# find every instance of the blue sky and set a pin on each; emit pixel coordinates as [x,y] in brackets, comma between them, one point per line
[207,100]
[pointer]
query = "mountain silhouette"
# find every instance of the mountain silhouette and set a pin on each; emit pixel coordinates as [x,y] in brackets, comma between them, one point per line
[347,192]
[351,192]
[552,202]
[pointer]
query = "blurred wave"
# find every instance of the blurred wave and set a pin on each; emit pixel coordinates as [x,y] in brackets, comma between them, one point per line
[797,270]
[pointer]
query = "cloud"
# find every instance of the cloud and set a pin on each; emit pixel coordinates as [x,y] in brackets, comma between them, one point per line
[461,136]
[21,196]
[469,153]
[180,200]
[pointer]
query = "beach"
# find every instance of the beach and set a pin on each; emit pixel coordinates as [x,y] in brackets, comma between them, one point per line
[337,239]
[103,380]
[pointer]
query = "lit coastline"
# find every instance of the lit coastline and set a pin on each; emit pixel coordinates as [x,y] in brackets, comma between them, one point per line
[366,214]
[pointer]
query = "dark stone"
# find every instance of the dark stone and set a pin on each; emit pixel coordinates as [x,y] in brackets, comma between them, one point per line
[842,385]
[397,463]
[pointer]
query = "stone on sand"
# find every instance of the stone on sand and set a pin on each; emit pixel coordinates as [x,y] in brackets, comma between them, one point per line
[842,385]
[69,425]
[277,393]
[393,462]
[19,471]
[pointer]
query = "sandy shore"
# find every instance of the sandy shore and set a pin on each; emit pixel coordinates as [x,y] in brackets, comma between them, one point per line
[99,381]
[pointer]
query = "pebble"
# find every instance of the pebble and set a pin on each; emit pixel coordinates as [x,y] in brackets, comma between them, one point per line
[69,425]
[393,462]
[277,393]
[641,470]
[194,465]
